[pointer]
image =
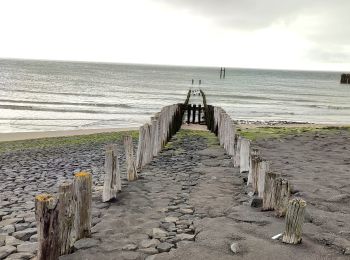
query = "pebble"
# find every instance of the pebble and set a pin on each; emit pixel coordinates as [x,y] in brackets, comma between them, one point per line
[171,219]
[28,247]
[129,247]
[164,247]
[20,256]
[149,251]
[187,237]
[85,243]
[146,243]
[158,233]
[25,234]
[235,248]
[7,250]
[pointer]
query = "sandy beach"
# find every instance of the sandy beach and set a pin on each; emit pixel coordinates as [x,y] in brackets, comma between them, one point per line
[192,173]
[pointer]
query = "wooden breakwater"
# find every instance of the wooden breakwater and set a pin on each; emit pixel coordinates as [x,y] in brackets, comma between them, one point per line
[345,79]
[65,218]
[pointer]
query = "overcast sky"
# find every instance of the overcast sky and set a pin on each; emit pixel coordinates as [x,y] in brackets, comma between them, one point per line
[288,34]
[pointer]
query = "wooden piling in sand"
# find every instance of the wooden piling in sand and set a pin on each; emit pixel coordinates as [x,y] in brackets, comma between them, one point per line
[66,209]
[46,214]
[194,113]
[345,79]
[112,182]
[129,154]
[244,155]
[263,168]
[269,193]
[236,157]
[282,196]
[253,153]
[294,221]
[83,200]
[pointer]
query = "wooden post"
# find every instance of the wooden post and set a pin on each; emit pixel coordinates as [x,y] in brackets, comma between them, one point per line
[66,210]
[269,194]
[199,113]
[129,154]
[140,148]
[263,167]
[255,165]
[46,214]
[83,199]
[236,157]
[282,196]
[224,73]
[194,114]
[254,152]
[188,114]
[244,155]
[112,182]
[294,221]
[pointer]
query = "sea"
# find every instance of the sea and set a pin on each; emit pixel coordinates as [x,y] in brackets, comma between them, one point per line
[55,95]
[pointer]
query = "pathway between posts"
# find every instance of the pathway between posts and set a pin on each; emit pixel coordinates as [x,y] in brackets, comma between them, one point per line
[189,203]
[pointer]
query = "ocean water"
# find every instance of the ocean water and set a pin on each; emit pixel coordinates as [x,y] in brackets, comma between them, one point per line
[48,95]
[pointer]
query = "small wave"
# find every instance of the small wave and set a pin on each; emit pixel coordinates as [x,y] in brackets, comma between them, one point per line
[330,107]
[65,103]
[30,108]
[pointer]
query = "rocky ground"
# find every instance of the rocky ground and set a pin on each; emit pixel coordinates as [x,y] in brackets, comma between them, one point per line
[189,203]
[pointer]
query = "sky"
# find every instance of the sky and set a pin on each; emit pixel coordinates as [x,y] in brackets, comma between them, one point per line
[289,34]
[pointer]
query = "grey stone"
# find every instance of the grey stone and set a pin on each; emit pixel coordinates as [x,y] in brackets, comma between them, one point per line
[28,247]
[146,243]
[25,234]
[187,237]
[34,238]
[186,211]
[20,256]
[10,221]
[6,250]
[158,233]
[12,241]
[164,247]
[171,219]
[85,243]
[9,229]
[129,247]
[2,240]
[149,251]
[21,226]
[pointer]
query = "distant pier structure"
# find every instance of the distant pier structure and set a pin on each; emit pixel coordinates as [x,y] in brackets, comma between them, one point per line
[222,73]
[345,79]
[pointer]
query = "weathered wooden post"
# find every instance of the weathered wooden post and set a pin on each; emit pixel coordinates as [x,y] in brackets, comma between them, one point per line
[245,155]
[46,214]
[112,182]
[294,221]
[129,154]
[199,113]
[194,114]
[269,194]
[83,199]
[263,168]
[282,196]
[140,149]
[66,210]
[255,166]
[253,153]
[236,157]
[188,114]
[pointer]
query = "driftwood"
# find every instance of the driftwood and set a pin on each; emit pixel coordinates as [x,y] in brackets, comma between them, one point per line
[244,155]
[282,196]
[129,154]
[112,182]
[83,199]
[294,221]
[46,213]
[269,194]
[66,209]
[263,167]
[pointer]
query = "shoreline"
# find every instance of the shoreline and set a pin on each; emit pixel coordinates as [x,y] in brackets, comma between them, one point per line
[242,124]
[19,136]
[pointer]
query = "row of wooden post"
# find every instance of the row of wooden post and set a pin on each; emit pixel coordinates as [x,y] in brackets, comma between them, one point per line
[64,219]
[154,136]
[271,187]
